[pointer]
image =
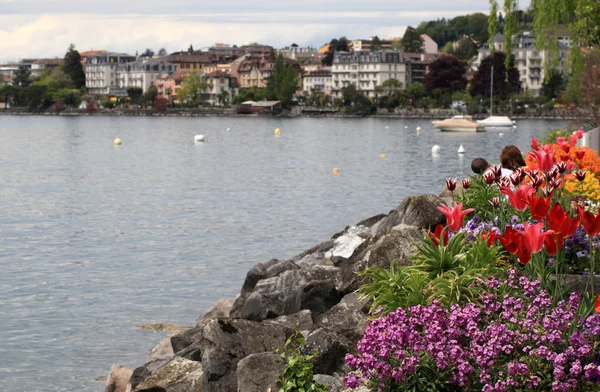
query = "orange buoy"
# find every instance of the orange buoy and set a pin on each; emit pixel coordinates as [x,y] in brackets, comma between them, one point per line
[336,170]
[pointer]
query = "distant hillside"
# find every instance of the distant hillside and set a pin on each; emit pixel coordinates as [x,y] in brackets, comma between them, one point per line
[448,30]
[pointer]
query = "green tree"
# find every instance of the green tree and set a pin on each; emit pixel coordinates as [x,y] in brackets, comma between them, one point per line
[147,53]
[389,87]
[553,84]
[192,89]
[22,77]
[503,87]
[416,91]
[335,45]
[446,75]
[73,67]
[466,49]
[376,44]
[397,44]
[150,95]
[588,21]
[355,101]
[285,79]
[162,52]
[36,97]
[412,41]
[135,94]
[8,93]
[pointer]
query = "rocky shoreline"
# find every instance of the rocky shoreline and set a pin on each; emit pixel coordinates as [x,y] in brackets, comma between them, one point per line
[231,348]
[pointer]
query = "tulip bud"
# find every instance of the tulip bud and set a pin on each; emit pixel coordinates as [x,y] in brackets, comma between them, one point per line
[495,202]
[556,182]
[451,184]
[537,182]
[562,167]
[552,173]
[497,170]
[533,174]
[580,154]
[547,190]
[580,174]
[489,178]
[466,183]
[515,179]
[504,182]
[522,173]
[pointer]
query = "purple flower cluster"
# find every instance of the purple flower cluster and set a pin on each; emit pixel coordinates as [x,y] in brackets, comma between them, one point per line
[476,226]
[505,342]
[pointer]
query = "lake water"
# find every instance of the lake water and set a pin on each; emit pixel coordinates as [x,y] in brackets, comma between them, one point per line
[96,238]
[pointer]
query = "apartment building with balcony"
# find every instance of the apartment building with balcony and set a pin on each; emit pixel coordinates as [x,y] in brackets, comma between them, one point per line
[367,70]
[101,76]
[529,60]
[142,73]
[320,80]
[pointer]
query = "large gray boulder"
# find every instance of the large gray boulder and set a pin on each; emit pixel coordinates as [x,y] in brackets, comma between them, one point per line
[220,309]
[395,247]
[118,378]
[259,372]
[348,318]
[178,375]
[419,211]
[330,348]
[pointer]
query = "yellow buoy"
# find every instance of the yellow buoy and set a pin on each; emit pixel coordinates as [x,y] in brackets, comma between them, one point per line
[117,141]
[336,170]
[277,132]
[382,155]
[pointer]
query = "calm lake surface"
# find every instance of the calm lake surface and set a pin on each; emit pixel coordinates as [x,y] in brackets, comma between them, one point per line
[95,238]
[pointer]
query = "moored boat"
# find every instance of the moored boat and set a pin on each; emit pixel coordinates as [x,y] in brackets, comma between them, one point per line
[459,124]
[496,122]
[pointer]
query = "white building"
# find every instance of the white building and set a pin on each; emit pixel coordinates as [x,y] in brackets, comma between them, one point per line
[101,73]
[320,80]
[142,73]
[367,70]
[429,45]
[529,60]
[295,51]
[222,88]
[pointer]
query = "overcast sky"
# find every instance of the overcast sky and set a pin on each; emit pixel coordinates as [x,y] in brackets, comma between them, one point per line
[44,28]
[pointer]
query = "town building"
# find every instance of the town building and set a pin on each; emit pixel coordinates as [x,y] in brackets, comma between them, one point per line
[429,45]
[419,65]
[190,60]
[167,86]
[223,53]
[88,53]
[530,61]
[142,73]
[367,70]
[320,80]
[254,72]
[257,50]
[295,51]
[366,45]
[101,73]
[315,63]
[222,88]
[39,66]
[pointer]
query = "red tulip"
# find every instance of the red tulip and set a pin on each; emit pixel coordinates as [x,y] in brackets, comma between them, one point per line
[590,222]
[518,199]
[435,236]
[544,159]
[573,140]
[562,167]
[510,240]
[580,133]
[553,244]
[570,165]
[454,215]
[451,184]
[533,237]
[597,304]
[466,183]
[580,174]
[522,251]
[580,154]
[538,206]
[560,222]
[534,144]
[490,237]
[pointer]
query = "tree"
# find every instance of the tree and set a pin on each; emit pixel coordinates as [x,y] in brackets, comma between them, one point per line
[223,98]
[285,82]
[506,82]
[412,41]
[375,44]
[416,91]
[150,95]
[389,87]
[355,101]
[162,52]
[73,67]
[8,93]
[135,94]
[446,74]
[553,83]
[36,97]
[336,45]
[584,88]
[22,77]
[160,104]
[192,89]
[396,44]
[588,21]
[147,53]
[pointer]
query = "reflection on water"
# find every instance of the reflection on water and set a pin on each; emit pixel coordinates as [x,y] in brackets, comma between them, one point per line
[96,238]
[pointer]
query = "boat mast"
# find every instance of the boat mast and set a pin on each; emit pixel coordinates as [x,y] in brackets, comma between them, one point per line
[492,93]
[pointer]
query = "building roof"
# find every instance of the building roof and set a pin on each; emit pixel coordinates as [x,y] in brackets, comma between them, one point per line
[192,58]
[319,73]
[92,52]
[323,49]
[49,61]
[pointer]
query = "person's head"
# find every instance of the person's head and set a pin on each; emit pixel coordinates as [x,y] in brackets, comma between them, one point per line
[511,158]
[479,165]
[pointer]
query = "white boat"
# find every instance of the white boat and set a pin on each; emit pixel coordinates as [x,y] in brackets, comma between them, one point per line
[496,122]
[458,124]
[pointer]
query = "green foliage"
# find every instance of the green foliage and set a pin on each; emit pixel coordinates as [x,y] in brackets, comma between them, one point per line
[135,94]
[444,273]
[587,22]
[503,87]
[551,136]
[511,29]
[447,74]
[443,30]
[285,82]
[298,374]
[493,24]
[73,67]
[416,91]
[336,45]
[465,49]
[22,77]
[37,97]
[355,101]
[478,196]
[192,90]
[375,44]
[412,41]
[150,95]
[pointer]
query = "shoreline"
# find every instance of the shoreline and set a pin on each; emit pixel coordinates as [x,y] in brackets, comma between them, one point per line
[233,114]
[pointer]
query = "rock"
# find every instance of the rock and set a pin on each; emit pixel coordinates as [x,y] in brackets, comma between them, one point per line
[118,378]
[163,350]
[396,246]
[259,372]
[420,211]
[331,349]
[161,327]
[348,318]
[301,321]
[369,222]
[345,245]
[319,296]
[145,371]
[256,273]
[178,375]
[220,309]
[321,248]
[332,383]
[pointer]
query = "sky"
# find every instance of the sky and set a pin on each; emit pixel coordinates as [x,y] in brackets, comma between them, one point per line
[45,28]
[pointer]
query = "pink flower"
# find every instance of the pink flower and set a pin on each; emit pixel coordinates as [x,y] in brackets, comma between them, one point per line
[455,215]
[533,237]
[519,198]
[544,158]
